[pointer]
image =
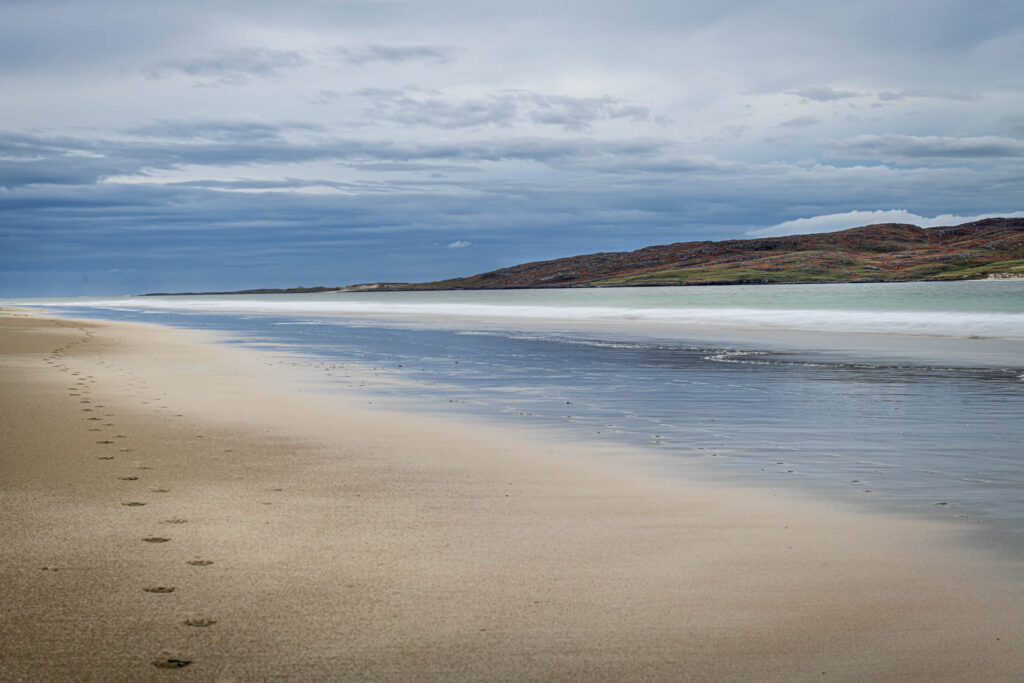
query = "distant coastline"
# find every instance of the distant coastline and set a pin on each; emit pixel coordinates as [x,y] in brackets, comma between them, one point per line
[892,252]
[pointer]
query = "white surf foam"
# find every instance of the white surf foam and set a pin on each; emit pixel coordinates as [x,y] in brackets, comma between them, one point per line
[930,323]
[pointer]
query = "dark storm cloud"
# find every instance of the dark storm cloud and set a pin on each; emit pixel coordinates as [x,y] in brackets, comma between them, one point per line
[823,94]
[407,106]
[30,159]
[415,107]
[233,66]
[801,122]
[221,131]
[577,113]
[928,148]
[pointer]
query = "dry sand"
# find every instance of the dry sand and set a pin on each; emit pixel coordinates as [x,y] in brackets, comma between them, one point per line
[311,538]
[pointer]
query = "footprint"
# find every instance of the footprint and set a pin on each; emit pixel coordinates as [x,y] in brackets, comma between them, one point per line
[160,490]
[128,478]
[133,504]
[175,520]
[105,441]
[200,563]
[159,589]
[104,457]
[200,621]
[155,539]
[171,660]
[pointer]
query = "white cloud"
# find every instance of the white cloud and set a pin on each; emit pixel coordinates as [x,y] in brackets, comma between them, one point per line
[459,244]
[852,219]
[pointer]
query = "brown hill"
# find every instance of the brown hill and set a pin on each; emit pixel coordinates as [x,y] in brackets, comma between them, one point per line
[872,253]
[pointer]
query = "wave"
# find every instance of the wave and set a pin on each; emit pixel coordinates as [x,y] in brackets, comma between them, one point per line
[960,324]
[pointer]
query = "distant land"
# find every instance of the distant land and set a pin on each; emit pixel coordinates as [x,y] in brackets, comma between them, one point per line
[887,252]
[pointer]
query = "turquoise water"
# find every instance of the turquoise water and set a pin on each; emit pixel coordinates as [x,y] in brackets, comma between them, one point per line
[892,396]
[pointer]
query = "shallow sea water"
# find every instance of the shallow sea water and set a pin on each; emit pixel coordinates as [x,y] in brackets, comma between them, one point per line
[665,369]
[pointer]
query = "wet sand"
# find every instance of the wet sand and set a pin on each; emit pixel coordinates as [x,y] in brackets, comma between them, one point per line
[175,509]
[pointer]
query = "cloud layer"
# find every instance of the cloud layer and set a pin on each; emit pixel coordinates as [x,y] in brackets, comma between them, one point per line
[187,146]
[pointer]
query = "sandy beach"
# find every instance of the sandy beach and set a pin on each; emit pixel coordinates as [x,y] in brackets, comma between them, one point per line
[171,508]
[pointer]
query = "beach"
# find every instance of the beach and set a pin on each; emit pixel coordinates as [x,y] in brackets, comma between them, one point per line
[177,508]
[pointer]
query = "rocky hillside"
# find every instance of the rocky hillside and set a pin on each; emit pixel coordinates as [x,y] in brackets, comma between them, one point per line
[884,252]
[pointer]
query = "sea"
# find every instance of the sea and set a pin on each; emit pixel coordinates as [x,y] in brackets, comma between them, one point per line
[895,397]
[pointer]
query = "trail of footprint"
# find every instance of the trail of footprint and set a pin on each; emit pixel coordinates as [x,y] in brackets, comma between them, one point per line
[167,659]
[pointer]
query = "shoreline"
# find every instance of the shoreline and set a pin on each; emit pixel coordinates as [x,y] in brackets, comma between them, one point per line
[351,543]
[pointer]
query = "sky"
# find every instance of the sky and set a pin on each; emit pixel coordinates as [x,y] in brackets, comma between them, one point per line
[197,146]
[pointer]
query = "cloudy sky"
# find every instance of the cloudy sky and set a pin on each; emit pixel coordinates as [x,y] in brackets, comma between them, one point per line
[225,145]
